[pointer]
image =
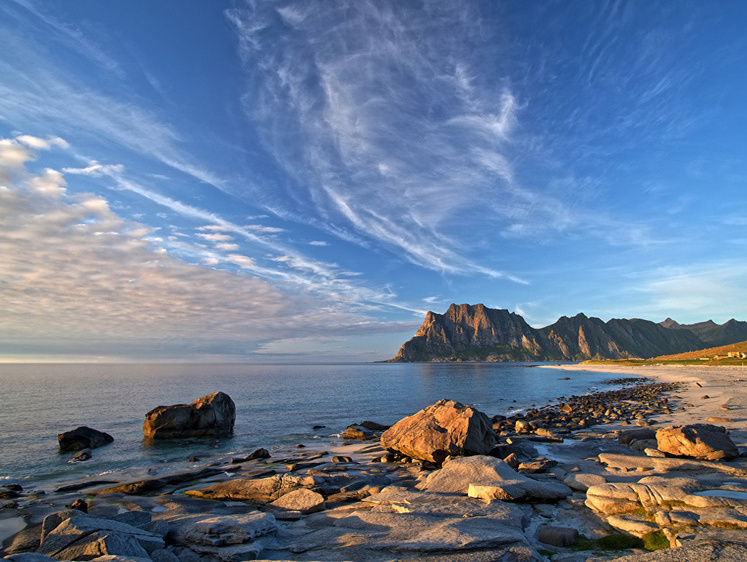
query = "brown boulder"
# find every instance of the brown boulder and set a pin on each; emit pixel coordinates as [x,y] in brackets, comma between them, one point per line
[700,441]
[446,428]
[211,415]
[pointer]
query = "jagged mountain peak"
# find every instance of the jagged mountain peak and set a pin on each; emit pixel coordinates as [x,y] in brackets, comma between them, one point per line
[478,333]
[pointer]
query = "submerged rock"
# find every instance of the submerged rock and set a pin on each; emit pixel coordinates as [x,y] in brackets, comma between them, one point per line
[211,415]
[82,438]
[446,428]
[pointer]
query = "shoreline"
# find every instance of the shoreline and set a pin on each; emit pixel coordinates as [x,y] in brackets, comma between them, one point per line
[351,477]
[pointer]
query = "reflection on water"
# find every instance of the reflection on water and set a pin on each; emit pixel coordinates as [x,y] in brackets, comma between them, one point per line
[275,404]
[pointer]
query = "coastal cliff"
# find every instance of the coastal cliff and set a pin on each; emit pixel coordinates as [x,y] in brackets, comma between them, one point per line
[478,333]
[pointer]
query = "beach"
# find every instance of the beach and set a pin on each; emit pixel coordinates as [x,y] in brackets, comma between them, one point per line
[583,466]
[725,388]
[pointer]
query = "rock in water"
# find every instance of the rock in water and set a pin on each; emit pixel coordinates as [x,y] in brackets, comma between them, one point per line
[446,428]
[211,415]
[82,438]
[700,441]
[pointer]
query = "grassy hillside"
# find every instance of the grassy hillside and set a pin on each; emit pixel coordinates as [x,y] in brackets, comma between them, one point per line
[702,357]
[711,352]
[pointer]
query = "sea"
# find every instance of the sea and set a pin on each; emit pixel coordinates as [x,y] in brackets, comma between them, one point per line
[277,406]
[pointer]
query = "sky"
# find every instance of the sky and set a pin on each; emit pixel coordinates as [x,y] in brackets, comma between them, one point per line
[301,181]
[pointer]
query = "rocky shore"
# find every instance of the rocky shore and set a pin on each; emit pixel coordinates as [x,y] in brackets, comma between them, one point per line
[598,477]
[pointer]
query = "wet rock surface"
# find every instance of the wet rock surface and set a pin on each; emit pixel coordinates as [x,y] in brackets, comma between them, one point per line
[82,438]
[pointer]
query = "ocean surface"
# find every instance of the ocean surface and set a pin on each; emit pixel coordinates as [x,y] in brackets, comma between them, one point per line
[276,405]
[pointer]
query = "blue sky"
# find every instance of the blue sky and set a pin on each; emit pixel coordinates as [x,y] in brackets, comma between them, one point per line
[302,181]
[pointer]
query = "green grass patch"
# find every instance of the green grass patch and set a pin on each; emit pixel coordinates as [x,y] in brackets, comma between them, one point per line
[619,541]
[655,540]
[654,362]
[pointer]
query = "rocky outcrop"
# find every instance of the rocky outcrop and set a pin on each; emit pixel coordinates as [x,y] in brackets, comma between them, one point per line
[211,415]
[478,333]
[699,441]
[82,438]
[446,428]
[472,333]
[667,503]
[76,536]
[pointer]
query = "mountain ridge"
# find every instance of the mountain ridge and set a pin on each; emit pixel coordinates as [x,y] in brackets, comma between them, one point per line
[477,333]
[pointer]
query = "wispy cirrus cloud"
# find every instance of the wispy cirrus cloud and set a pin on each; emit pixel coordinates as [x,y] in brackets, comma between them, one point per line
[425,129]
[397,136]
[37,92]
[76,276]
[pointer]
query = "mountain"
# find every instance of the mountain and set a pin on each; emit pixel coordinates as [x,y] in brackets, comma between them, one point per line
[712,334]
[478,333]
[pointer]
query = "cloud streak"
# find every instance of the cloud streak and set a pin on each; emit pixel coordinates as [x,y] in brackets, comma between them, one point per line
[397,137]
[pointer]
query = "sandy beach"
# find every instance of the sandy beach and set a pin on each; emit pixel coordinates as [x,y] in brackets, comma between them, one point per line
[714,392]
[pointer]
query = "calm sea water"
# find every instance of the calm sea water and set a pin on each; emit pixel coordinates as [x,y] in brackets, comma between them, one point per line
[277,405]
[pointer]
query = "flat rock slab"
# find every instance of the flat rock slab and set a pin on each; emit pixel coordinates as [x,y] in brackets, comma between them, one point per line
[80,536]
[260,490]
[384,531]
[519,490]
[634,462]
[150,485]
[484,477]
[303,500]
[581,481]
[226,530]
[401,500]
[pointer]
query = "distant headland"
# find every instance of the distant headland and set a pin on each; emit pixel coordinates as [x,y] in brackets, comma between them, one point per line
[478,333]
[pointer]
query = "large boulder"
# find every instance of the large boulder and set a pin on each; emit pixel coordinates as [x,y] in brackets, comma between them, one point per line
[211,415]
[446,428]
[700,441]
[82,438]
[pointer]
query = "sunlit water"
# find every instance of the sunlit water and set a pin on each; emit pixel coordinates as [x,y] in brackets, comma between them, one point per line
[276,405]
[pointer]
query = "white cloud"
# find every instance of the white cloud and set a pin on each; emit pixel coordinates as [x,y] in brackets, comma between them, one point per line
[216,237]
[50,183]
[264,229]
[242,261]
[75,276]
[42,144]
[318,243]
[96,169]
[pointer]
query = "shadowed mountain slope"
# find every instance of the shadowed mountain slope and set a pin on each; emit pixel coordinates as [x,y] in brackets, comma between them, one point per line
[478,333]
